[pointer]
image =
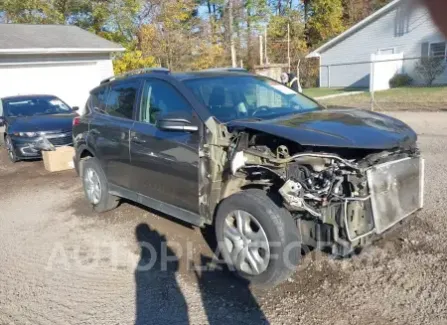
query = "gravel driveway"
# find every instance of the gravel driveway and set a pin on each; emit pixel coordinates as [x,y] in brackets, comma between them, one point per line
[61,263]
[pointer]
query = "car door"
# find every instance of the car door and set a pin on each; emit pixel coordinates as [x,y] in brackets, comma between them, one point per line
[165,163]
[109,130]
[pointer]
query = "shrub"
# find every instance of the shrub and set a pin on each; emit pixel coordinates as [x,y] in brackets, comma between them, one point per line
[430,68]
[132,60]
[400,80]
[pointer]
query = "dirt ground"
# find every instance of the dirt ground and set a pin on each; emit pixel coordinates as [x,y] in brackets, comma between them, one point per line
[61,263]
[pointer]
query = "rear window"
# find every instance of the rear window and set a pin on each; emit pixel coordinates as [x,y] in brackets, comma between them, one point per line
[121,99]
[98,99]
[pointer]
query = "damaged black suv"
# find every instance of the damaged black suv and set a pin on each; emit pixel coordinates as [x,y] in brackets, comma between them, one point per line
[270,169]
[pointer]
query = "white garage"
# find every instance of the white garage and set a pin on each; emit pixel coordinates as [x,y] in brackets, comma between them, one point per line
[60,60]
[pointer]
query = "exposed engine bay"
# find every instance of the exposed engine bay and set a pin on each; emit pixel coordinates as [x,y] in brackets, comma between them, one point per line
[339,197]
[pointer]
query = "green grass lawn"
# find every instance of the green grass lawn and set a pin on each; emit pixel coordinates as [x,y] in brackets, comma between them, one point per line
[319,92]
[405,98]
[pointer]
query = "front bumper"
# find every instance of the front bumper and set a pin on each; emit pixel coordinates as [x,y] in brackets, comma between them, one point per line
[395,192]
[29,148]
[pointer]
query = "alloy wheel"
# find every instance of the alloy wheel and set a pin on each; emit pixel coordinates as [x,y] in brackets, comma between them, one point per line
[10,149]
[92,185]
[246,242]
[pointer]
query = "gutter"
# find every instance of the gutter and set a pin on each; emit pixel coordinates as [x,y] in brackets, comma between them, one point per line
[60,50]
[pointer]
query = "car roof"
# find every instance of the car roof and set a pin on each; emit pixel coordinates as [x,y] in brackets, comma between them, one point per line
[25,97]
[209,74]
[180,76]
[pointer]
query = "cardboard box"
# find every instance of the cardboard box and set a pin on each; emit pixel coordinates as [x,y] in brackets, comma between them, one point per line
[60,159]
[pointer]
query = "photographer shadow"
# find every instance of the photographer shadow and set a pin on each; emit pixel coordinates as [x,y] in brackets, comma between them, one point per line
[226,298]
[159,299]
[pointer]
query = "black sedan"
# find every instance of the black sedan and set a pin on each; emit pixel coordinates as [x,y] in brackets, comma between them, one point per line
[33,122]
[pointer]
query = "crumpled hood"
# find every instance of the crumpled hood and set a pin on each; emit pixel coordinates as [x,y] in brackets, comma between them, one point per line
[55,122]
[347,128]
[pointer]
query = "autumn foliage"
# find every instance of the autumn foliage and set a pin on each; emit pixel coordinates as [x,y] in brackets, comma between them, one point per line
[198,34]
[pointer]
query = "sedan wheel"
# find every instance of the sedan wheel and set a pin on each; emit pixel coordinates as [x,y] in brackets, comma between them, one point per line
[246,242]
[10,147]
[92,185]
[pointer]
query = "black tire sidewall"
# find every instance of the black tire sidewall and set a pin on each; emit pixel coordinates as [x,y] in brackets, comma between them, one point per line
[104,203]
[8,142]
[279,227]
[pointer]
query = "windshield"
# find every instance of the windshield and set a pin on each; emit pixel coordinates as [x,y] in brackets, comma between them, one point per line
[235,97]
[34,106]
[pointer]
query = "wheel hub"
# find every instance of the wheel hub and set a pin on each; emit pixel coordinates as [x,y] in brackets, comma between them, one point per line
[92,185]
[247,242]
[9,148]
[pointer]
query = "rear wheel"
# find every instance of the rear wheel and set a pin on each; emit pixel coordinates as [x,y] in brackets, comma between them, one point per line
[96,186]
[257,237]
[10,148]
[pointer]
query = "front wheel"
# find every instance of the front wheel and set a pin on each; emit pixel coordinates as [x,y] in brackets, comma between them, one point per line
[257,237]
[11,151]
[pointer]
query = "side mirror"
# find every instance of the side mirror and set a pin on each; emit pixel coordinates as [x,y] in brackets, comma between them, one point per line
[176,124]
[2,121]
[75,108]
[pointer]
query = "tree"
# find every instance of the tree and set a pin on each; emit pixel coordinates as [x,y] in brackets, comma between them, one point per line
[170,33]
[257,13]
[132,60]
[193,34]
[31,12]
[231,32]
[430,68]
[356,10]
[277,34]
[325,20]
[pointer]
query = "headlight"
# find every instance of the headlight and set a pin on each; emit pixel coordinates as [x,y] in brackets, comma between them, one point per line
[26,134]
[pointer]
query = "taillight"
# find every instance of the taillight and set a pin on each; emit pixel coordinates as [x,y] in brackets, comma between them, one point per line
[76,120]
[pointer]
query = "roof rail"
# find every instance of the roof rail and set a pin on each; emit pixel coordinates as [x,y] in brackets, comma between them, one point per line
[230,69]
[136,72]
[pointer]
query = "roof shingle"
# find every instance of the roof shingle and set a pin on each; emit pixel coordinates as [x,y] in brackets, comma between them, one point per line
[47,37]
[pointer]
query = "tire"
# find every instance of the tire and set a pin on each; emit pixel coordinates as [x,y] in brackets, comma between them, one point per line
[10,148]
[271,220]
[103,201]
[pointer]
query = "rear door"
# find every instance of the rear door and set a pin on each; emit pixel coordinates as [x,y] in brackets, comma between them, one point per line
[109,130]
[165,163]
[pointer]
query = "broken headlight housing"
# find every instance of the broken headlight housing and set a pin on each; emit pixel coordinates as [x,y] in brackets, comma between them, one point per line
[26,134]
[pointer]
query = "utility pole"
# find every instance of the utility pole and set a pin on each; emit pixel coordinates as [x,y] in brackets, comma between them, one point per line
[288,46]
[261,51]
[265,46]
[231,27]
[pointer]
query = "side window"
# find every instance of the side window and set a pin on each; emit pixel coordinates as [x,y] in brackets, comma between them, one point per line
[160,98]
[98,99]
[121,99]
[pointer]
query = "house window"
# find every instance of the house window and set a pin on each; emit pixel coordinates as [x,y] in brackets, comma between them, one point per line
[437,50]
[390,50]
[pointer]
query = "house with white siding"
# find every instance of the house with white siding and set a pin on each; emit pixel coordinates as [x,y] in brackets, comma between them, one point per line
[60,60]
[400,33]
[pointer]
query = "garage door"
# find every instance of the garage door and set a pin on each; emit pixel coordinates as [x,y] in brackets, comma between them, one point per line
[70,82]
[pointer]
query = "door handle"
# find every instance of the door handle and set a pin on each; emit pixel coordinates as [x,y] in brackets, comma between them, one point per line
[138,140]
